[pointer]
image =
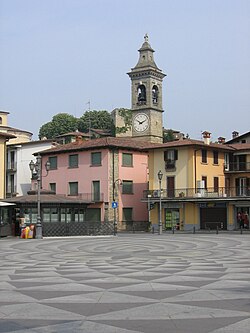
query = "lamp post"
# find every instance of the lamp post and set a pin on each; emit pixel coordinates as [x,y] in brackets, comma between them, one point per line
[115,204]
[160,175]
[36,173]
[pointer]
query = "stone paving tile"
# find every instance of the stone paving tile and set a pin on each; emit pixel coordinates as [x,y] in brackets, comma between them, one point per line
[126,284]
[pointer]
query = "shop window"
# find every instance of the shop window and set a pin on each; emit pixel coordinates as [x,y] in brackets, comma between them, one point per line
[172,219]
[93,214]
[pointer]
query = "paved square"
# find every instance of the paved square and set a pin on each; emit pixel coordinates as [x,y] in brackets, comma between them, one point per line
[130,283]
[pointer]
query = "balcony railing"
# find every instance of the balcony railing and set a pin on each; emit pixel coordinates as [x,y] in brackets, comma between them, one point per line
[192,193]
[94,197]
[237,167]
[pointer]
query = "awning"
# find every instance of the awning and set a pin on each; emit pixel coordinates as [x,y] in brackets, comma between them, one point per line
[5,204]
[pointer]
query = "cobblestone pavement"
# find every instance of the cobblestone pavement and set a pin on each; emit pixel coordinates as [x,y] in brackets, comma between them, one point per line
[129,283]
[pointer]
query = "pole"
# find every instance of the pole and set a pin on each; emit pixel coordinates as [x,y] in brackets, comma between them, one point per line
[160,219]
[39,232]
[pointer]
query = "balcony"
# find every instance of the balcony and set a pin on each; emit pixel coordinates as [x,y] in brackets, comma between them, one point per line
[93,197]
[237,167]
[188,194]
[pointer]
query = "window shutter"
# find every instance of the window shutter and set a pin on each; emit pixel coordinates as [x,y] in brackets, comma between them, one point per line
[176,155]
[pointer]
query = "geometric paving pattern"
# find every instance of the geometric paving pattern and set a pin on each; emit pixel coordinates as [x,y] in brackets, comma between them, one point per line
[183,283]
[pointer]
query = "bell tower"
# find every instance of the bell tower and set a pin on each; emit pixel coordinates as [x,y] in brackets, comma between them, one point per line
[146,94]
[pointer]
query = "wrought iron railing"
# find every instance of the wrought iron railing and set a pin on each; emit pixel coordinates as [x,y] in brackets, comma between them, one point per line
[187,193]
[237,167]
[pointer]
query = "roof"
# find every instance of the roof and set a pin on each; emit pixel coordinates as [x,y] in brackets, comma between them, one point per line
[131,144]
[76,133]
[237,138]
[8,128]
[7,135]
[48,198]
[105,142]
[192,143]
[240,146]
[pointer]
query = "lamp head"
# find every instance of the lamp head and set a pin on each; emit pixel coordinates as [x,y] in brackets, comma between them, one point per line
[160,175]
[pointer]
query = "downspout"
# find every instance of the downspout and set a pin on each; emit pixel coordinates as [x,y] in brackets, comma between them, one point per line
[113,173]
[195,171]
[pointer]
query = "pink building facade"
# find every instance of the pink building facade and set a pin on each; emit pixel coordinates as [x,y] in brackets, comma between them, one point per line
[109,173]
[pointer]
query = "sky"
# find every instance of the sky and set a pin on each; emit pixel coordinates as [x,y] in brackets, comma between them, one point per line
[58,55]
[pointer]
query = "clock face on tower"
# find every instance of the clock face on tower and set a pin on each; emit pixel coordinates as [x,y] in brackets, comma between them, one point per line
[141,122]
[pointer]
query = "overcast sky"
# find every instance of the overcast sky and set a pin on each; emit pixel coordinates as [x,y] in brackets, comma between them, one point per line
[56,55]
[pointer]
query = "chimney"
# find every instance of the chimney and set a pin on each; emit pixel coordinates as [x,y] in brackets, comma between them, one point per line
[79,139]
[206,137]
[221,140]
[235,134]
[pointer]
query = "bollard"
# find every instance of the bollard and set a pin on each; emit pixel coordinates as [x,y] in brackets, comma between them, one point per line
[173,230]
[193,229]
[153,230]
[241,229]
[217,230]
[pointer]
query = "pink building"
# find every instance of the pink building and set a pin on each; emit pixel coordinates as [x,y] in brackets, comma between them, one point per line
[106,173]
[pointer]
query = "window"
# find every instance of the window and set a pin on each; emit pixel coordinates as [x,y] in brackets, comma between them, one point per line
[127,160]
[141,94]
[53,162]
[204,156]
[73,161]
[155,94]
[127,187]
[52,187]
[96,190]
[93,214]
[73,188]
[170,156]
[127,214]
[226,162]
[216,157]
[96,158]
[204,178]
[216,184]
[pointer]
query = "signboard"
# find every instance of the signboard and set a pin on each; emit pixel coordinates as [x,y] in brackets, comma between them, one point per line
[114,204]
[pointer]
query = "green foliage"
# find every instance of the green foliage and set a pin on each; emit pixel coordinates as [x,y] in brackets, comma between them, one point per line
[64,123]
[60,124]
[95,119]
[126,114]
[168,136]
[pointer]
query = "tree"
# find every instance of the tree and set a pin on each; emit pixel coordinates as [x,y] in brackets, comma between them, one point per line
[95,119]
[168,135]
[61,123]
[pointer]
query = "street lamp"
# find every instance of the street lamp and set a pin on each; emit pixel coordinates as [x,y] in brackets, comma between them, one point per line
[160,175]
[115,204]
[36,173]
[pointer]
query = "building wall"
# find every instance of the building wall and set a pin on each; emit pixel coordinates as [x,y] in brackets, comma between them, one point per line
[85,174]
[209,169]
[2,167]
[23,155]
